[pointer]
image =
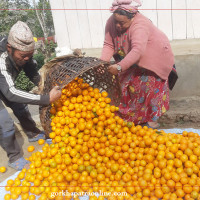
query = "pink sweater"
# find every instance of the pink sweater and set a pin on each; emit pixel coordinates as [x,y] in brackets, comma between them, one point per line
[145,46]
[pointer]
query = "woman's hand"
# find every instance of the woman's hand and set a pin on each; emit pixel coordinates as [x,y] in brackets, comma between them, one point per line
[113,69]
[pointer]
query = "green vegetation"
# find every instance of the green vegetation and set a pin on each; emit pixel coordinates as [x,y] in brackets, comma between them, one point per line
[23,82]
[39,57]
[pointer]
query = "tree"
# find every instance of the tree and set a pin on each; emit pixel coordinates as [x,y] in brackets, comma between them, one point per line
[44,16]
[11,13]
[9,17]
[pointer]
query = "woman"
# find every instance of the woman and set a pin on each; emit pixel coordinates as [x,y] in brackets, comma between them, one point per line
[144,61]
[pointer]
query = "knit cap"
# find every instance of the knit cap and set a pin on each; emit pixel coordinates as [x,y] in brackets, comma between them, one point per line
[20,37]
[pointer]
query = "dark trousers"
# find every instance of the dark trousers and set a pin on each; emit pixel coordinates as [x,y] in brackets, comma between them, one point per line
[7,136]
[22,113]
[7,129]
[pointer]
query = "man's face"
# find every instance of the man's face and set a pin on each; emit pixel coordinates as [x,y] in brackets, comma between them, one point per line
[20,57]
[122,23]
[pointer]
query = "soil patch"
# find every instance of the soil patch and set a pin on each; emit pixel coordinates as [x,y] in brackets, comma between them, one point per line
[183,113]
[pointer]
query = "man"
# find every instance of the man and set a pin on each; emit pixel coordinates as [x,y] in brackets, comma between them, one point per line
[16,53]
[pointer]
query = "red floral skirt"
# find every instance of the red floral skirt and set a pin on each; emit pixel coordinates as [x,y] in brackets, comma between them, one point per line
[145,96]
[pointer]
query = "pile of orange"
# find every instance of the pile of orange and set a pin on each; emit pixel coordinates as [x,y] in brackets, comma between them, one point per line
[94,150]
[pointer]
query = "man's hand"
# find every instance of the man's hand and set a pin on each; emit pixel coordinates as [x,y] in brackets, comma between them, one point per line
[113,69]
[55,94]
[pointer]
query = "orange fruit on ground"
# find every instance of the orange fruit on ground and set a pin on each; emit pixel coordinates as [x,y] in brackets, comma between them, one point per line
[32,197]
[7,197]
[194,195]
[21,175]
[41,141]
[31,148]
[14,196]
[10,182]
[2,169]
[187,188]
[180,193]
[146,192]
[158,193]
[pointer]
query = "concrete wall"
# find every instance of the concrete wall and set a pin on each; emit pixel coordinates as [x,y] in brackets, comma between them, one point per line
[188,68]
[81,23]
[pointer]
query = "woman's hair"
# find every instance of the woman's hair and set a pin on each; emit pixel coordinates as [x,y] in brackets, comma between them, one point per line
[126,13]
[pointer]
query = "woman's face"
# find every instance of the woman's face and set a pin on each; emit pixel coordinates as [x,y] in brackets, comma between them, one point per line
[122,23]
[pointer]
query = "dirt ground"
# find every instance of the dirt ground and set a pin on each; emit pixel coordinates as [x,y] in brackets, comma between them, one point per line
[183,113]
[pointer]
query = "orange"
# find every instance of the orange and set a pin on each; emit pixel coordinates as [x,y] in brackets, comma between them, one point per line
[146,192]
[194,194]
[107,100]
[104,94]
[2,169]
[197,151]
[10,182]
[100,177]
[114,168]
[158,193]
[21,175]
[187,188]
[25,189]
[53,111]
[193,158]
[96,90]
[184,180]
[41,141]
[58,104]
[180,193]
[53,151]
[14,196]
[32,197]
[7,197]
[174,148]
[93,161]
[188,152]
[188,164]
[31,148]
[171,183]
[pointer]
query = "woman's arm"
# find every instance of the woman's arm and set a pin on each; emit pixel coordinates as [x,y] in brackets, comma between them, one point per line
[139,38]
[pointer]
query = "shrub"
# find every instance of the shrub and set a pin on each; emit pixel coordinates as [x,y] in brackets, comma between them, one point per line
[39,57]
[23,82]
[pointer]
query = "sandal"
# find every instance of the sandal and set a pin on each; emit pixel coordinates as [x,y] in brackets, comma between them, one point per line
[19,164]
[37,137]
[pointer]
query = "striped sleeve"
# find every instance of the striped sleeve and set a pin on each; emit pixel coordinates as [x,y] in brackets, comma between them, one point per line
[8,89]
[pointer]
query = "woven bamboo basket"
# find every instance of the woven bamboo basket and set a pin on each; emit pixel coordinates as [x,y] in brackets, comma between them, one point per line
[62,70]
